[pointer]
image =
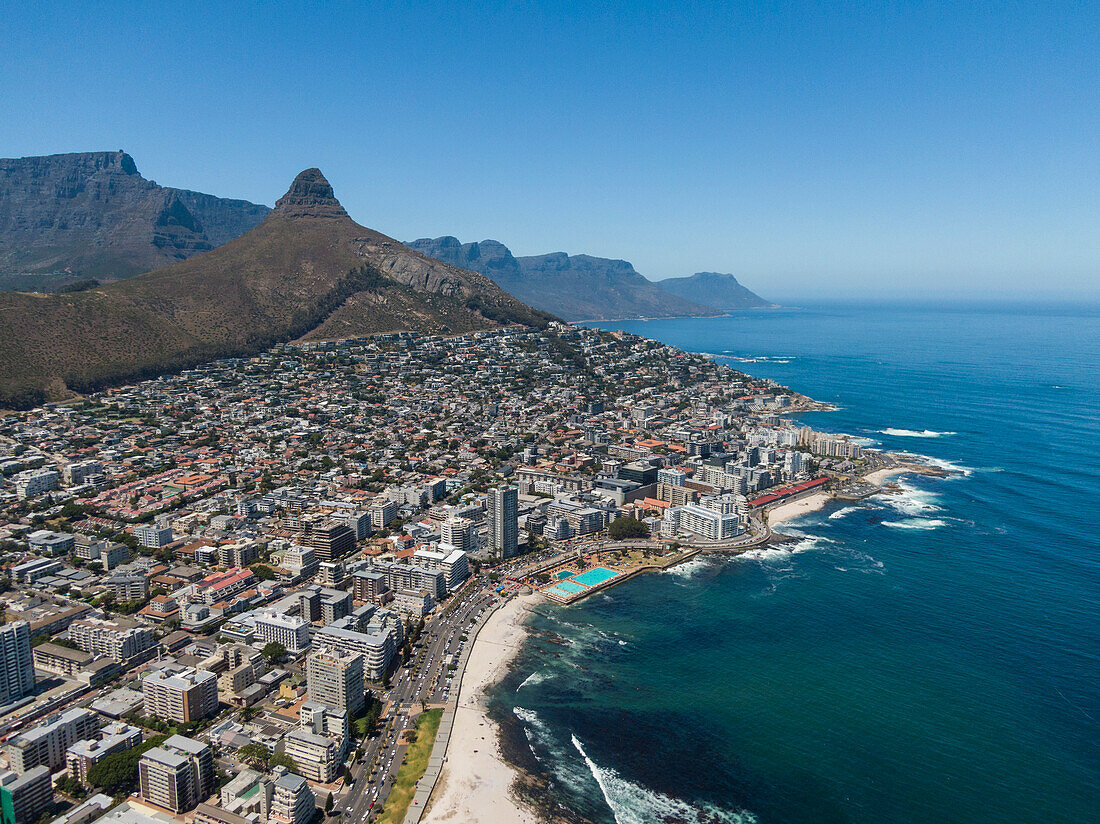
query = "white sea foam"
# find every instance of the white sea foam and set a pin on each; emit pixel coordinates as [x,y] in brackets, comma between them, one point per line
[780,552]
[690,568]
[948,466]
[911,501]
[840,513]
[916,523]
[914,433]
[533,678]
[631,803]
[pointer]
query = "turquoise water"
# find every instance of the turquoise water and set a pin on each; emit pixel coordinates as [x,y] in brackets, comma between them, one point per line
[568,587]
[932,656]
[594,576]
[564,573]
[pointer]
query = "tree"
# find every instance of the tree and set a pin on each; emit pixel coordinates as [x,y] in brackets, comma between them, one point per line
[329,804]
[263,572]
[281,759]
[274,651]
[626,527]
[255,755]
[117,774]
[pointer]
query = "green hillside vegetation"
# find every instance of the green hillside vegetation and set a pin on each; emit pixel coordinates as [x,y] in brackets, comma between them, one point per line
[308,271]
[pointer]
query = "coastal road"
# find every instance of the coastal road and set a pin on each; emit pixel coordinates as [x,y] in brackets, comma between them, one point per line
[424,680]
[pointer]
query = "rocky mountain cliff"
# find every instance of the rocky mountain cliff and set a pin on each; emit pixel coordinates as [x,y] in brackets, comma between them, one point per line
[69,217]
[574,287]
[307,271]
[720,290]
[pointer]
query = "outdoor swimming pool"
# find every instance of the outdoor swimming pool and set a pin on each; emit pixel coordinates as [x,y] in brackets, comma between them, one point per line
[594,576]
[563,573]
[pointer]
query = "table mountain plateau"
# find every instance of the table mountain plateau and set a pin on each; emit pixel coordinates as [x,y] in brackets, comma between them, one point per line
[91,215]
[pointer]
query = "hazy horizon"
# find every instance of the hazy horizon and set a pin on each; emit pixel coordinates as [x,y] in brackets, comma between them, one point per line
[880,152]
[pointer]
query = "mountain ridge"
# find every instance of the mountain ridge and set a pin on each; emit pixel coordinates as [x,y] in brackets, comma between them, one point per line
[722,290]
[574,287]
[92,214]
[306,271]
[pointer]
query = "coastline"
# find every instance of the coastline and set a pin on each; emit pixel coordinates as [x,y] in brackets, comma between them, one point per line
[790,510]
[476,782]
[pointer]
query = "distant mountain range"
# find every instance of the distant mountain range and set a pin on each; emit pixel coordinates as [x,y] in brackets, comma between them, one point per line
[72,217]
[582,287]
[719,290]
[307,271]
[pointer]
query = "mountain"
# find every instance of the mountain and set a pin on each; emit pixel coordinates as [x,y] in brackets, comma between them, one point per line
[574,287]
[92,215]
[717,289]
[307,271]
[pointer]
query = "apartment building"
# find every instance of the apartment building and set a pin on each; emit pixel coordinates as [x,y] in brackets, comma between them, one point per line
[120,639]
[335,679]
[292,800]
[16,664]
[85,754]
[45,744]
[180,694]
[177,775]
[448,559]
[23,798]
[289,630]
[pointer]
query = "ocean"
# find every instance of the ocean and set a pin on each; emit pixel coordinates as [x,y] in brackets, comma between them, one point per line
[932,656]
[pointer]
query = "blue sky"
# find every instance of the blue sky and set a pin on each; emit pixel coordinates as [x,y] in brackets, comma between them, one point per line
[895,150]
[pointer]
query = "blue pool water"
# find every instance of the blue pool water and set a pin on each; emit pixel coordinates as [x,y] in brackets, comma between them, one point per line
[594,576]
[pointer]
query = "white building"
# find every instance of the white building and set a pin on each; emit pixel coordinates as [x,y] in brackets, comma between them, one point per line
[34,482]
[448,559]
[289,630]
[707,523]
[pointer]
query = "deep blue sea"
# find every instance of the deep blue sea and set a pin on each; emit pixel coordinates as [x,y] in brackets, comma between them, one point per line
[926,657]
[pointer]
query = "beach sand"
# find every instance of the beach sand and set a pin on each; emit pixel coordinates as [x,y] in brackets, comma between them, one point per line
[793,509]
[880,475]
[475,784]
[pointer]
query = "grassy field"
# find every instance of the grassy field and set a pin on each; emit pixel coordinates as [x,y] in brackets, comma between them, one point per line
[412,768]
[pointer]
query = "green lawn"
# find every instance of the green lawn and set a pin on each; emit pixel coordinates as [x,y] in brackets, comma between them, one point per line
[412,768]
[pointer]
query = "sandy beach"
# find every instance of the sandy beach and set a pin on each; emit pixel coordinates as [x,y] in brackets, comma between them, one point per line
[792,509]
[880,475]
[475,784]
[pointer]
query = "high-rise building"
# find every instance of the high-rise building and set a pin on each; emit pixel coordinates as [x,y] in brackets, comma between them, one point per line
[332,540]
[16,664]
[369,586]
[504,520]
[292,801]
[23,798]
[320,743]
[458,532]
[182,695]
[85,754]
[448,559]
[177,775]
[289,630]
[46,743]
[120,639]
[335,679]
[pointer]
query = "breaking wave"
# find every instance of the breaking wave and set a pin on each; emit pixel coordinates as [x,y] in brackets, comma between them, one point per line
[840,513]
[532,679]
[913,433]
[916,523]
[631,803]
